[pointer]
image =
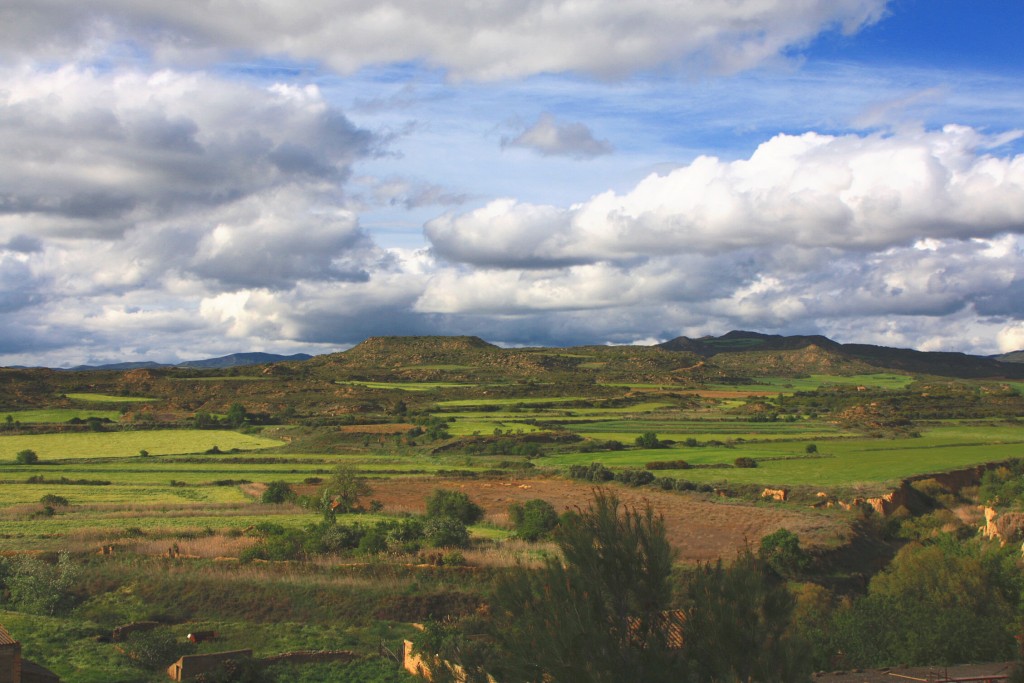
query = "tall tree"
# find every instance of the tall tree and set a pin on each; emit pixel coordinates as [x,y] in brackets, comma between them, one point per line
[600,615]
[737,625]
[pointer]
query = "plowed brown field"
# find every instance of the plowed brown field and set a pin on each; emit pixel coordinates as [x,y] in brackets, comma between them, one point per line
[699,528]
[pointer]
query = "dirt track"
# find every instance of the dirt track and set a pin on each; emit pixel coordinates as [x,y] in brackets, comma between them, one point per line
[700,529]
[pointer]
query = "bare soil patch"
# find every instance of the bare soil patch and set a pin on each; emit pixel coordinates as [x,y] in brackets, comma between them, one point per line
[699,528]
[723,393]
[389,428]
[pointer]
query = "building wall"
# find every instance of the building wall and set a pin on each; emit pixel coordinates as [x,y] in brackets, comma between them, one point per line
[10,663]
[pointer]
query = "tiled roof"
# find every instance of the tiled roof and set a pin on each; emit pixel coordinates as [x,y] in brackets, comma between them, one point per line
[5,637]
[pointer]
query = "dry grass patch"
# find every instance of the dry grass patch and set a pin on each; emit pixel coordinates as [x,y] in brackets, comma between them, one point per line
[701,529]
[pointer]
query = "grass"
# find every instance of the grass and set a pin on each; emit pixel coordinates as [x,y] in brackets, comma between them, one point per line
[56,415]
[404,386]
[840,462]
[125,444]
[813,382]
[108,398]
[462,403]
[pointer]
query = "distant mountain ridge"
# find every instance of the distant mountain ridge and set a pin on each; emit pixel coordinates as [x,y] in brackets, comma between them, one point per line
[1011,357]
[942,363]
[737,353]
[233,360]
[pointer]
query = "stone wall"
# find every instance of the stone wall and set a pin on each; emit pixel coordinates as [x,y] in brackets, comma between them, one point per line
[191,666]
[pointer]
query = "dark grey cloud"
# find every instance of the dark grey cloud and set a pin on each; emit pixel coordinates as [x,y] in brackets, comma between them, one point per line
[1007,301]
[89,154]
[20,288]
[23,244]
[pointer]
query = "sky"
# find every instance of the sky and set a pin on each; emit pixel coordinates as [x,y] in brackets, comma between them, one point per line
[190,179]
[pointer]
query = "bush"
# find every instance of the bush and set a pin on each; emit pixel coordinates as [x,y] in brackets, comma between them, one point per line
[374,541]
[634,477]
[744,462]
[935,604]
[446,532]
[155,649]
[454,504]
[26,457]
[648,440]
[453,558]
[277,492]
[41,587]
[811,449]
[782,551]
[533,519]
[54,500]
[595,471]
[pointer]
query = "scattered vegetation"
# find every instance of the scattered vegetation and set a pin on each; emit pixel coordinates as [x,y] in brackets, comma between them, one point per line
[175,475]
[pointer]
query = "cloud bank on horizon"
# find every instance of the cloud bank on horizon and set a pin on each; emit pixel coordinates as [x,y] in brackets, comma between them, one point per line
[186,180]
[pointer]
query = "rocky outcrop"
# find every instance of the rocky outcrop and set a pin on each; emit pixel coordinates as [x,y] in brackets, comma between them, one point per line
[1005,527]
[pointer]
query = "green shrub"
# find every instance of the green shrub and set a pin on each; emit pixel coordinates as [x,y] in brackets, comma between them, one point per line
[454,504]
[41,587]
[54,500]
[446,532]
[744,462]
[533,519]
[26,457]
[634,477]
[782,551]
[595,471]
[648,440]
[277,492]
[942,603]
[155,649]
[453,558]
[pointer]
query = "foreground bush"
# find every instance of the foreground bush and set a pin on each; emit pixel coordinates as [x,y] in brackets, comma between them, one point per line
[40,587]
[940,603]
[533,519]
[454,504]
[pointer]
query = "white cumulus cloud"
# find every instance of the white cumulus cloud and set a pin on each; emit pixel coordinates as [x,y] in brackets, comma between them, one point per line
[812,190]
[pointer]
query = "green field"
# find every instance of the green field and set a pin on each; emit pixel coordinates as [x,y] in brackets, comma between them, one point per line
[55,415]
[125,444]
[839,462]
[813,382]
[405,386]
[107,398]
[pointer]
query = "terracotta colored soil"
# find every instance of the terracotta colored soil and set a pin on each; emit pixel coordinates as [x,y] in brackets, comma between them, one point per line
[700,529]
[376,429]
[715,393]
